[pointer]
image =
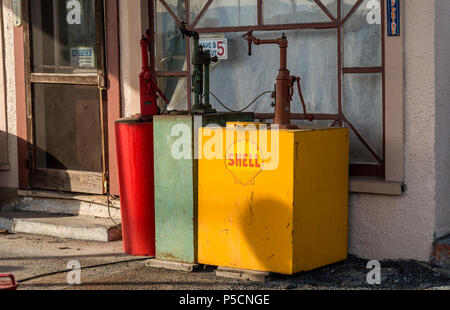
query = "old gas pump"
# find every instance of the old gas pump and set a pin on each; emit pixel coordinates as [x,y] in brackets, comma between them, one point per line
[260,194]
[148,87]
[200,77]
[176,180]
[134,139]
[284,89]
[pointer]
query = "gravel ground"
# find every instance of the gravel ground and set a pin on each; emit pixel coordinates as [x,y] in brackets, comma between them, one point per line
[28,256]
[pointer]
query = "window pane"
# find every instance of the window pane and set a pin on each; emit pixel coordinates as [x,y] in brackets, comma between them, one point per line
[63,40]
[178,8]
[230,13]
[359,153]
[347,6]
[331,5]
[293,12]
[311,55]
[363,107]
[175,89]
[196,7]
[171,46]
[362,40]
[67,125]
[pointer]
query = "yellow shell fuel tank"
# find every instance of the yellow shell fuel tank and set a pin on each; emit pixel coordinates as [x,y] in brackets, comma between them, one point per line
[272,200]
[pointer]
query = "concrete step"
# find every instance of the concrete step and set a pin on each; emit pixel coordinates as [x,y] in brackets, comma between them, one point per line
[79,227]
[67,203]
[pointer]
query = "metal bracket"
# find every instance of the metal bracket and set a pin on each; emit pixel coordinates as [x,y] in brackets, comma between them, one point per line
[101,81]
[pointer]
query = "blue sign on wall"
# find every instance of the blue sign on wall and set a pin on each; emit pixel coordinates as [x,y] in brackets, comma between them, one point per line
[393,12]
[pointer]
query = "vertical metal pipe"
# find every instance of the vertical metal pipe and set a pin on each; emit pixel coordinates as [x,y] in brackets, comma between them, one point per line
[206,93]
[188,56]
[339,63]
[197,77]
[283,106]
[283,58]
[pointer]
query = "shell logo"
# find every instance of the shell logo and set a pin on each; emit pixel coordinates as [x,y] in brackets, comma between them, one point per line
[244,161]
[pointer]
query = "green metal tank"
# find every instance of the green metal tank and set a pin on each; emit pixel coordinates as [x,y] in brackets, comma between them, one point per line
[176,183]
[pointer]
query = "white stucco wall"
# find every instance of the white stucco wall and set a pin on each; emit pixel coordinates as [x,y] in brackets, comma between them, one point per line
[403,227]
[10,178]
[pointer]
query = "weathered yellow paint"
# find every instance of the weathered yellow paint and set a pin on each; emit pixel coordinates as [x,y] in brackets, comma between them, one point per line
[287,220]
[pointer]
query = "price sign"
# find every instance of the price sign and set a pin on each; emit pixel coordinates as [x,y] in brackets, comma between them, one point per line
[217,47]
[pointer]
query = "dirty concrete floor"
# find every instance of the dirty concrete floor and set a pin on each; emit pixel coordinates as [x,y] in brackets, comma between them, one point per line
[27,256]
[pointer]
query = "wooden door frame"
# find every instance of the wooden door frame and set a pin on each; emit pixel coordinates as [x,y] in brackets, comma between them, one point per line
[23,112]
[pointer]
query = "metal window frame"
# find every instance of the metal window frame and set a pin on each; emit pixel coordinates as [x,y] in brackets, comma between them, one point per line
[390,163]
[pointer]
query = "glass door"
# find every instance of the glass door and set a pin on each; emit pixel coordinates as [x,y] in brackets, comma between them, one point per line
[65,85]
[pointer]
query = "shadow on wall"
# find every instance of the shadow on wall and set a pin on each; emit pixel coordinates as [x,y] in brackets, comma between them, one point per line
[9,196]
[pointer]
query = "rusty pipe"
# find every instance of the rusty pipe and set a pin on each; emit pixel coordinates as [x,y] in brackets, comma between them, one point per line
[283,85]
[144,46]
[283,42]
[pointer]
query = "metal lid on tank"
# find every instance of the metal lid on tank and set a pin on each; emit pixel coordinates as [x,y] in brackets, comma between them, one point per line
[136,119]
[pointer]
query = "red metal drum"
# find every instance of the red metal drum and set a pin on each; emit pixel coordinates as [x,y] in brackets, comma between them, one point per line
[134,138]
[10,284]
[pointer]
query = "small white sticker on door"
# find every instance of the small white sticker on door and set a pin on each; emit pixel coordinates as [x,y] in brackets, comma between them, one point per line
[82,57]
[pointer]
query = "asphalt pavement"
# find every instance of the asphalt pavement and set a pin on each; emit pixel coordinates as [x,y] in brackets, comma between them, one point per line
[41,263]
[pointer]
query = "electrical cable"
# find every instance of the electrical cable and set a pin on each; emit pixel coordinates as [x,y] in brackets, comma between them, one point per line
[248,106]
[101,87]
[82,268]
[109,213]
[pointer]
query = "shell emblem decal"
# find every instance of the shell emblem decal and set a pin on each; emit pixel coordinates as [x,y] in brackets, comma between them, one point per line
[244,161]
